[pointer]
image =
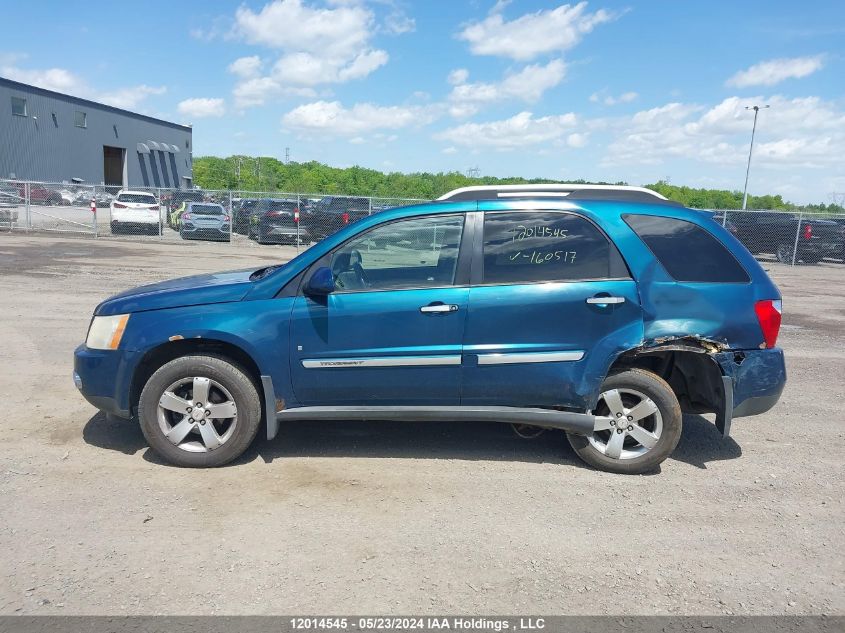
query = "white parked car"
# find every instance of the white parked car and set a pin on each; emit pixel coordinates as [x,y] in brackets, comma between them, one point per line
[135,212]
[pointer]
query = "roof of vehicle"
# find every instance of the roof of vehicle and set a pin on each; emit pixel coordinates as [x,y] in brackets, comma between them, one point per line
[197,203]
[135,193]
[579,191]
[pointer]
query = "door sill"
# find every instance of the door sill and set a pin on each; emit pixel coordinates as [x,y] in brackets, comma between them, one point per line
[571,422]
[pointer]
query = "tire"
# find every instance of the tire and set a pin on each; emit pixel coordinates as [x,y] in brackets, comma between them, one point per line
[665,423]
[814,258]
[227,384]
[783,253]
[116,228]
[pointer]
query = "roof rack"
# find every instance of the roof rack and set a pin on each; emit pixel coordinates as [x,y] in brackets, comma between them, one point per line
[621,193]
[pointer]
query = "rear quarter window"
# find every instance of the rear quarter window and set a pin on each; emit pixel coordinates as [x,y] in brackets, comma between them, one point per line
[687,251]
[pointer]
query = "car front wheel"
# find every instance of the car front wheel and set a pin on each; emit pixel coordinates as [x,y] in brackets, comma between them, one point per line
[199,411]
[638,424]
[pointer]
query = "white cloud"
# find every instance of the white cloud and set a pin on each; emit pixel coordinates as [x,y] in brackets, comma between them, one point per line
[774,71]
[260,90]
[458,76]
[246,67]
[129,98]
[333,119]
[62,80]
[201,107]
[450,150]
[521,130]
[803,132]
[527,85]
[399,24]
[609,100]
[533,34]
[319,45]
[56,79]
[577,140]
[291,25]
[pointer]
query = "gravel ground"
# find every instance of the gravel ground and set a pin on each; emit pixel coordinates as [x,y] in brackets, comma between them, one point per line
[402,518]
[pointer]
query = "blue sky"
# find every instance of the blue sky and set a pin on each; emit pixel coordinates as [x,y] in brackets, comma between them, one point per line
[635,91]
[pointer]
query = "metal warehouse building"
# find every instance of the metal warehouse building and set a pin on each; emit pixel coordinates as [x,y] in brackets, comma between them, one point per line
[53,137]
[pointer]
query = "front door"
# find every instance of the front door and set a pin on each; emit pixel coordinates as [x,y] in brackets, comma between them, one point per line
[391,332]
[551,302]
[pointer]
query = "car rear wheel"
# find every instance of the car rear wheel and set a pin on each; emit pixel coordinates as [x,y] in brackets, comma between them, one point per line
[199,411]
[638,424]
[784,253]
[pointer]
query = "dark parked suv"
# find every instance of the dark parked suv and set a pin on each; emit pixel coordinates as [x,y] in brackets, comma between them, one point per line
[781,233]
[331,213]
[605,312]
[277,221]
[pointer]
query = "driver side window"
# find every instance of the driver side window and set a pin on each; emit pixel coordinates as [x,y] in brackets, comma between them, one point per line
[415,253]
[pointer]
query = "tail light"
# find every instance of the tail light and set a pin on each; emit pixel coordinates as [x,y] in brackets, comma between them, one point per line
[276,214]
[769,315]
[186,216]
[117,205]
[345,217]
[225,218]
[808,231]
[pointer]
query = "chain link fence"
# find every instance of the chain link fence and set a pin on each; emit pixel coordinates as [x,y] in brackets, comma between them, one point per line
[297,220]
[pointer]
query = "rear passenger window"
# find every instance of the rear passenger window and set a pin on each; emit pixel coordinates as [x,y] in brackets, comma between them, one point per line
[687,251]
[546,246]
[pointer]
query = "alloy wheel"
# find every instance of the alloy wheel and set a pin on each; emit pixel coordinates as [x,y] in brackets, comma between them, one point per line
[628,424]
[197,414]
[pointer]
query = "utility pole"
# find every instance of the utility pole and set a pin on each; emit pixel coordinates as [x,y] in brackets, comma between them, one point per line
[287,155]
[473,172]
[756,109]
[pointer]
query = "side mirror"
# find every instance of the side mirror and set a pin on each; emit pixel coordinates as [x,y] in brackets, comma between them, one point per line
[321,282]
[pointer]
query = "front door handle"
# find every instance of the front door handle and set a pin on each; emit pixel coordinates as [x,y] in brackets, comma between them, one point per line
[605,300]
[439,308]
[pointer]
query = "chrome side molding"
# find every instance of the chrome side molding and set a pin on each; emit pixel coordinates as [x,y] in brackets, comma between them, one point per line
[529,357]
[382,361]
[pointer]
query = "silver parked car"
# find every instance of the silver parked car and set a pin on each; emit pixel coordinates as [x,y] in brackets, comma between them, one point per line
[204,221]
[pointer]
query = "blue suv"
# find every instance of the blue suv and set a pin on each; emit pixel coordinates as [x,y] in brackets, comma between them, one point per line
[604,312]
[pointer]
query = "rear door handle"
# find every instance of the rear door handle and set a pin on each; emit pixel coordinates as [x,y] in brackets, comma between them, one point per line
[605,300]
[440,307]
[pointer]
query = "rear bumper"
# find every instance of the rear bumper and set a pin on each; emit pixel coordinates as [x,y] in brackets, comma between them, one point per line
[275,232]
[195,232]
[756,378]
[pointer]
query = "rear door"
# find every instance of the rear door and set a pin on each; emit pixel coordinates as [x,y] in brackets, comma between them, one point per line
[551,304]
[391,332]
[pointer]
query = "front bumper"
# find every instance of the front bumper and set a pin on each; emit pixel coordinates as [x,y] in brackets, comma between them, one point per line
[103,377]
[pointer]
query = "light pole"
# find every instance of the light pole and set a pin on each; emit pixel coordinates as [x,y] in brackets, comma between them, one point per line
[756,109]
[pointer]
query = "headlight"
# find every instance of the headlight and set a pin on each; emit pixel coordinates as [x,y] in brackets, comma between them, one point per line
[106,331]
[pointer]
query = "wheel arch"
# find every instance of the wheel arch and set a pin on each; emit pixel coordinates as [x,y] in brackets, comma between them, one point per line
[171,350]
[687,366]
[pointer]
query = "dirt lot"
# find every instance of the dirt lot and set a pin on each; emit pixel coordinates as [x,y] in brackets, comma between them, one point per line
[402,518]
